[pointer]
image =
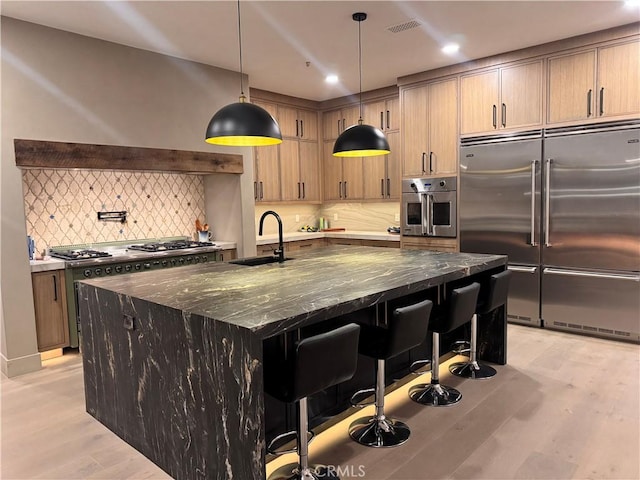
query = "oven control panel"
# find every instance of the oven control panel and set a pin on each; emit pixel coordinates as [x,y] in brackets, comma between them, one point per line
[143,265]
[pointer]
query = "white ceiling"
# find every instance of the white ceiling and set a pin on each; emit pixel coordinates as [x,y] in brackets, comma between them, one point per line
[280,37]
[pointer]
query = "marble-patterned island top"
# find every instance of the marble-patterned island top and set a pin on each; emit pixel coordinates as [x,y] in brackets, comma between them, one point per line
[310,287]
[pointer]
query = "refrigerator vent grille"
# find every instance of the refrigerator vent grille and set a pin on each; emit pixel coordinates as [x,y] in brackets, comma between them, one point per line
[587,328]
[519,317]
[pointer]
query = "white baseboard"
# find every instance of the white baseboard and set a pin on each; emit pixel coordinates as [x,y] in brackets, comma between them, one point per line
[12,367]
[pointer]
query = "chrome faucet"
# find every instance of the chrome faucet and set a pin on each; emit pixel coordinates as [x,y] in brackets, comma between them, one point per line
[280,251]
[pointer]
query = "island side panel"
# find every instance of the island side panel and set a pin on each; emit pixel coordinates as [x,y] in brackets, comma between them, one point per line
[185,391]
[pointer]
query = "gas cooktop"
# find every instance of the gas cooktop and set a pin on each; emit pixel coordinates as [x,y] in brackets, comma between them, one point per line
[79,254]
[172,245]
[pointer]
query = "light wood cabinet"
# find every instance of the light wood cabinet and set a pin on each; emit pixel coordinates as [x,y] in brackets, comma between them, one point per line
[383,114]
[571,87]
[289,171]
[343,177]
[619,79]
[50,303]
[382,176]
[430,128]
[593,84]
[503,98]
[298,123]
[336,121]
[291,247]
[436,244]
[226,255]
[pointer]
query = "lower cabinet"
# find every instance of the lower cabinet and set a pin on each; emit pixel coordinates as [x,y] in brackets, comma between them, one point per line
[226,255]
[50,303]
[294,246]
[436,244]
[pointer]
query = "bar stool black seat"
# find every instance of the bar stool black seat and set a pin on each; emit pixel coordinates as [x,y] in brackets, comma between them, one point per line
[317,363]
[407,329]
[457,311]
[492,295]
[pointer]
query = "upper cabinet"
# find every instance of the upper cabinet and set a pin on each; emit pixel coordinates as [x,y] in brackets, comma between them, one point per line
[337,121]
[503,98]
[382,179]
[383,114]
[596,83]
[289,171]
[298,123]
[343,176]
[430,128]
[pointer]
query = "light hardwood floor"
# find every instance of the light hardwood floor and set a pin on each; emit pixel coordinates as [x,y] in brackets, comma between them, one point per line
[565,407]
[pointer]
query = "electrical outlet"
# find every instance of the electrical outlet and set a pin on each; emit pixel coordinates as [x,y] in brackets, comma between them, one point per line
[397,217]
[335,216]
[297,218]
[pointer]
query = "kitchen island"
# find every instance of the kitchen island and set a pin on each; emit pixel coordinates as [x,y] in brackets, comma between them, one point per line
[173,359]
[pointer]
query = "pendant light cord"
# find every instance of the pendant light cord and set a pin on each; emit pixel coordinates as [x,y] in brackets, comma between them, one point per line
[240,44]
[360,64]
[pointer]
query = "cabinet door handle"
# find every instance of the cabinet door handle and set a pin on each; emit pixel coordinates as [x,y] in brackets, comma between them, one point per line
[343,124]
[430,162]
[424,158]
[345,189]
[589,102]
[261,191]
[340,189]
[338,127]
[504,115]
[381,120]
[388,126]
[255,190]
[382,187]
[55,288]
[297,131]
[388,187]
[602,101]
[303,194]
[298,190]
[302,128]
[494,117]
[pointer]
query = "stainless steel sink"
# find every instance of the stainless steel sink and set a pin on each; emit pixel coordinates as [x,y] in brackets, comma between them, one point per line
[254,261]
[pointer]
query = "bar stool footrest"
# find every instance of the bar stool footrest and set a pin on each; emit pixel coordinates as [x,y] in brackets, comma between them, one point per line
[276,446]
[417,365]
[461,347]
[359,399]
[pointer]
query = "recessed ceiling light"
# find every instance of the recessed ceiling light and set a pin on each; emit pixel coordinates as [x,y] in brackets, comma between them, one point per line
[451,48]
[632,3]
[331,79]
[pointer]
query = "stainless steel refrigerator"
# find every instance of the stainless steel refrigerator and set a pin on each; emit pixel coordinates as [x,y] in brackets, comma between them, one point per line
[564,205]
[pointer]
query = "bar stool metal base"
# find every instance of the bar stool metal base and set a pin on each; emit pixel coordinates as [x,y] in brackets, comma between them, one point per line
[475,370]
[435,395]
[292,471]
[379,432]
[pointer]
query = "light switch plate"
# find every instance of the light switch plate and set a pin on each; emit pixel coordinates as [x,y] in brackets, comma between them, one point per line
[335,216]
[297,218]
[397,217]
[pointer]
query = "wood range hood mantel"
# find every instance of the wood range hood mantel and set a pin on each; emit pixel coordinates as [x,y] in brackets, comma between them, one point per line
[49,154]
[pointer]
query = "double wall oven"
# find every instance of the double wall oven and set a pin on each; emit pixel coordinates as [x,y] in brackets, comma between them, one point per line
[118,258]
[429,207]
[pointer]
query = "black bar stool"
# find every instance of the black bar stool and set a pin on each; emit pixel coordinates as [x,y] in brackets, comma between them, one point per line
[317,363]
[407,329]
[492,296]
[457,311]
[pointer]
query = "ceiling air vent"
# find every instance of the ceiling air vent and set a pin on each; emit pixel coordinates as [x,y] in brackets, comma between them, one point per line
[401,27]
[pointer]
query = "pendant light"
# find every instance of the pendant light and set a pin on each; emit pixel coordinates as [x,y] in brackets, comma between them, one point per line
[243,124]
[361,140]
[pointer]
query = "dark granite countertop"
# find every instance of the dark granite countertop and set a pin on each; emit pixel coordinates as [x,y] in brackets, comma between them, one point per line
[313,286]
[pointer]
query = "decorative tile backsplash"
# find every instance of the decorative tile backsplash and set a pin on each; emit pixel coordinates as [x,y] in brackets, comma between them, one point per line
[61,205]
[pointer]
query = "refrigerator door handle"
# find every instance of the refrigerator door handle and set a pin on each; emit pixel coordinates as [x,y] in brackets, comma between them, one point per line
[547,201]
[533,203]
[531,270]
[577,273]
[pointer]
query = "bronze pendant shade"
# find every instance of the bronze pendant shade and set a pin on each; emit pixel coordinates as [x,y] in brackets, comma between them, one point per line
[243,124]
[361,140]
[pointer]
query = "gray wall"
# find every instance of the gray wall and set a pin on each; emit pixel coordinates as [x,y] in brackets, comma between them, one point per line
[65,87]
